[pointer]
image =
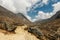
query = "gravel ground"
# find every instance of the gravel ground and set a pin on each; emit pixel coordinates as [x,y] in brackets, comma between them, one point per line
[21,34]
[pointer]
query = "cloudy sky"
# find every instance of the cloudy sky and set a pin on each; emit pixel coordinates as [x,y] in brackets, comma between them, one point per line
[33,9]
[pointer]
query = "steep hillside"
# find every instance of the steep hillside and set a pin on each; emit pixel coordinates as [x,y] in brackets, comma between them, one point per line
[16,17]
[10,20]
[47,30]
[25,20]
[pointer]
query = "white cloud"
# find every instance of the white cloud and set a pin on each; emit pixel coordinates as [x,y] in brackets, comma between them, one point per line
[33,1]
[56,7]
[41,15]
[21,5]
[8,4]
[0,2]
[45,1]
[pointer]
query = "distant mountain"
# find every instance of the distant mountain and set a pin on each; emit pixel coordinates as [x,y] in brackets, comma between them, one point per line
[56,16]
[11,18]
[48,29]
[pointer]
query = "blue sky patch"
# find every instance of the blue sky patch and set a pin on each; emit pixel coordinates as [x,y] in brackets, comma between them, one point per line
[47,8]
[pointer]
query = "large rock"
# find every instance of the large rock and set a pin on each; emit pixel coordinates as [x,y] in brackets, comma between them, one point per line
[7,23]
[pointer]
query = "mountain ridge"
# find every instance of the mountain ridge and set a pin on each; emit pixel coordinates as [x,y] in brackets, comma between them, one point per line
[7,16]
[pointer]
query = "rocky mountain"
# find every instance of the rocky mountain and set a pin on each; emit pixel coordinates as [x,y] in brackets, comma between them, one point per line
[47,30]
[8,19]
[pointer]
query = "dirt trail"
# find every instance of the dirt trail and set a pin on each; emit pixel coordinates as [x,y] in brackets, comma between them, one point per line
[21,34]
